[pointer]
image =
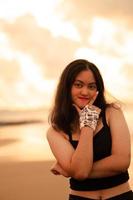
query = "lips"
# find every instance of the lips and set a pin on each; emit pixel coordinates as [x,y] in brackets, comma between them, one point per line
[83,99]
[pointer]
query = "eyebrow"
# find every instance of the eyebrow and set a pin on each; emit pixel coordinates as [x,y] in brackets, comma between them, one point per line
[83,82]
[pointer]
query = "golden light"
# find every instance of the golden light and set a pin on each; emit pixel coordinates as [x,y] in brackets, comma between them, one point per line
[110,68]
[45,14]
[107,45]
[32,135]
[109,54]
[5,50]
[65,29]
[127,48]
[30,71]
[103,31]
[3,38]
[17,8]
[31,88]
[33,78]
[104,50]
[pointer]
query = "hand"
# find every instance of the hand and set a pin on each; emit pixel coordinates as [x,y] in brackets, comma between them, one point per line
[55,169]
[89,115]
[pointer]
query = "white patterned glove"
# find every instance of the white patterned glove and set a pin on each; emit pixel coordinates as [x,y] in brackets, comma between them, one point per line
[89,116]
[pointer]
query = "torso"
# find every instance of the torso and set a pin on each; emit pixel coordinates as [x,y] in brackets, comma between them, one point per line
[104,193]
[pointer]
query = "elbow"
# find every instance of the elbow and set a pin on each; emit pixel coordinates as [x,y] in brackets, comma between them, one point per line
[80,175]
[124,163]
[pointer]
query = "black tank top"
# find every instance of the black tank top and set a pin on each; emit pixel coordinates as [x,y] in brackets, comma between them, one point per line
[102,143]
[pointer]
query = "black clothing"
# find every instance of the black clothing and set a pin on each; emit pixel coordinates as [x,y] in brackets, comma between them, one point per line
[125,196]
[102,143]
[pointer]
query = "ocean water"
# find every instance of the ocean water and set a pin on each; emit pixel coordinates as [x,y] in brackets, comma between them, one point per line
[24,142]
[27,141]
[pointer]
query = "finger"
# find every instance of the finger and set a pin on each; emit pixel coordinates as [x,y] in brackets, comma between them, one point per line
[97,109]
[77,108]
[54,171]
[93,99]
[93,107]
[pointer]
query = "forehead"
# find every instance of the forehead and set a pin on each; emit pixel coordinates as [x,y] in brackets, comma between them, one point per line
[85,76]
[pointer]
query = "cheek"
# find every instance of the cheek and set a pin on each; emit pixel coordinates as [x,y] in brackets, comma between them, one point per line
[74,93]
[92,93]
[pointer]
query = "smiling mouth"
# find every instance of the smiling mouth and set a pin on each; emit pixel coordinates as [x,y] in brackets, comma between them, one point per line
[84,99]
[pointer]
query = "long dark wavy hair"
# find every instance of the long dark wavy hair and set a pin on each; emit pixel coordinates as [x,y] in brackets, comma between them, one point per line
[64,114]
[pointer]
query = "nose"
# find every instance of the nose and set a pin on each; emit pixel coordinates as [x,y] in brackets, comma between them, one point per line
[84,91]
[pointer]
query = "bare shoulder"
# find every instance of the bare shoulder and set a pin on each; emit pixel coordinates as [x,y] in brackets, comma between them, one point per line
[114,112]
[51,132]
[119,132]
[117,121]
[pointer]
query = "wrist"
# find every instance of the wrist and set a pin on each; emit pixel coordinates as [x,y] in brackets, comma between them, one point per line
[87,129]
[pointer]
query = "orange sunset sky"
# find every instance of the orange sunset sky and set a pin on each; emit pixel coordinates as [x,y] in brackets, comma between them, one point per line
[38,38]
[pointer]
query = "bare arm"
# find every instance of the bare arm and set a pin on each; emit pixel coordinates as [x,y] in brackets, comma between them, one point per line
[119,160]
[56,169]
[77,163]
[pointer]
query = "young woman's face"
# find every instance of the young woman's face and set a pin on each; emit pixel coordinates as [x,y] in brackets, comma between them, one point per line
[83,88]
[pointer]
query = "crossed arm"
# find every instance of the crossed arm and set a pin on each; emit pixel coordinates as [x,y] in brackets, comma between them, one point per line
[79,164]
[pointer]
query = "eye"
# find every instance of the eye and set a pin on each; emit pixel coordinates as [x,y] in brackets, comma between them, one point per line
[78,85]
[92,87]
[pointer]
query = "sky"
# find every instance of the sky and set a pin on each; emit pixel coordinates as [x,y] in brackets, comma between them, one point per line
[39,38]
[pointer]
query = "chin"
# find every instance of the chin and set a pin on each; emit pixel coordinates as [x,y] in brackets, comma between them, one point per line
[81,106]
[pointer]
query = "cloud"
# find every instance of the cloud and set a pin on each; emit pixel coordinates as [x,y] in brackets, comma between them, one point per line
[81,12]
[127,71]
[46,50]
[51,53]
[9,70]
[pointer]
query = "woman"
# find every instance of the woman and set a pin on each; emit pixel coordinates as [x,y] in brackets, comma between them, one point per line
[89,137]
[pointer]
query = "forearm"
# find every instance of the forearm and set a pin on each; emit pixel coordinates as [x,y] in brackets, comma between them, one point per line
[82,159]
[109,166]
[56,169]
[64,173]
[101,168]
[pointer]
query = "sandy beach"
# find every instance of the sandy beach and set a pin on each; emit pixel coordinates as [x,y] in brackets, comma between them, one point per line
[25,160]
[30,180]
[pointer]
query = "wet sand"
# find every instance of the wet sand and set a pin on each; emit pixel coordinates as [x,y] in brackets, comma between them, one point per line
[25,161]
[30,181]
